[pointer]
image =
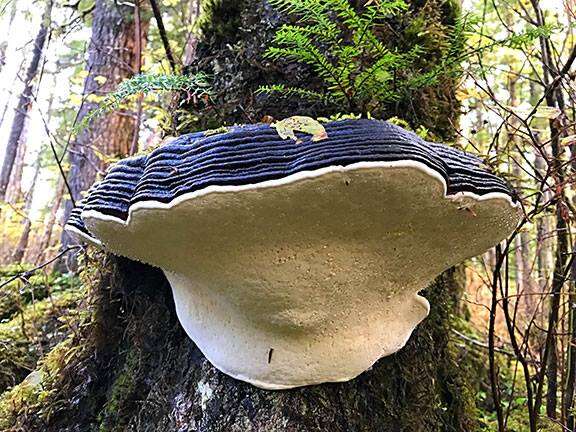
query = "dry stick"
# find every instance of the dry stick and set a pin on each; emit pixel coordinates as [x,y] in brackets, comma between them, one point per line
[496,279]
[520,355]
[56,158]
[38,267]
[568,387]
[550,361]
[568,403]
[491,347]
[138,29]
[550,358]
[558,280]
[570,382]
[481,344]
[162,31]
[524,121]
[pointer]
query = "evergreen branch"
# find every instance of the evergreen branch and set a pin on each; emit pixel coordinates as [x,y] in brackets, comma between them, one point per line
[288,92]
[358,68]
[146,84]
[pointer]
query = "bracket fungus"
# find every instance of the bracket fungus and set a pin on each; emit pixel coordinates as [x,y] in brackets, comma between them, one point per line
[297,263]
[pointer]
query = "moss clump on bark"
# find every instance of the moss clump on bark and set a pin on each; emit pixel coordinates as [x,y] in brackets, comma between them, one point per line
[122,390]
[31,396]
[62,373]
[34,330]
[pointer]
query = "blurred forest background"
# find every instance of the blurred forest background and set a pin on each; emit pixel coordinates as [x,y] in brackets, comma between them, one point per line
[81,88]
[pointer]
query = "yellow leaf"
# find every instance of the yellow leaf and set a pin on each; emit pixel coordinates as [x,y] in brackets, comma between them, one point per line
[548,112]
[468,93]
[544,112]
[75,99]
[220,130]
[100,79]
[569,140]
[288,126]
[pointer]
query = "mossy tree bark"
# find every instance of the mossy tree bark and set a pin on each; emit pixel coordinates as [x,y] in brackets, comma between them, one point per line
[140,372]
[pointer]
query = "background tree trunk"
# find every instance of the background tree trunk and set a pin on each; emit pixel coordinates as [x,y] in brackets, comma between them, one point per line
[113,57]
[14,188]
[25,235]
[141,372]
[46,238]
[4,44]
[25,101]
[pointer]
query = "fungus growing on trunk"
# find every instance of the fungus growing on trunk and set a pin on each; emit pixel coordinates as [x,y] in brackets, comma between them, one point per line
[299,263]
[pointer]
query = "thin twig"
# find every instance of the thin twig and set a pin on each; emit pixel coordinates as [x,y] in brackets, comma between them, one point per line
[163,36]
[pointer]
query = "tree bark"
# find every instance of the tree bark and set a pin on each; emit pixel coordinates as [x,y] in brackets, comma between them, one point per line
[192,38]
[4,45]
[524,284]
[24,102]
[237,35]
[44,242]
[22,246]
[14,190]
[140,372]
[113,57]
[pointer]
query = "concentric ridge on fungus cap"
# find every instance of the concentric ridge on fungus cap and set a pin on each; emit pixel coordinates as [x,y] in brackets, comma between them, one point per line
[255,153]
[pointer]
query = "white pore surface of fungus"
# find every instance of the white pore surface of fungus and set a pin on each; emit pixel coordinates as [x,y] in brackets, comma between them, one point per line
[313,277]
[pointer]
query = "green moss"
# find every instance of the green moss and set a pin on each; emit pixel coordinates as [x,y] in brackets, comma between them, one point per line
[20,292]
[30,395]
[34,329]
[220,18]
[64,324]
[120,394]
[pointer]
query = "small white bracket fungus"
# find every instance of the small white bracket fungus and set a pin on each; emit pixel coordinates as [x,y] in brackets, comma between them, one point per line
[312,274]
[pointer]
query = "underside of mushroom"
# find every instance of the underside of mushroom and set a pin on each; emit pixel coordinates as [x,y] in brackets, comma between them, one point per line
[294,263]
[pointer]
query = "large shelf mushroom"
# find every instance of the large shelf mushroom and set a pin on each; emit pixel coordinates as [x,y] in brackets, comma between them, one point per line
[297,263]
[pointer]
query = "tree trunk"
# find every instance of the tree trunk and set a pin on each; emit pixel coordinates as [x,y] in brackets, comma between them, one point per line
[44,242]
[192,38]
[14,189]
[4,44]
[20,250]
[138,370]
[113,57]
[524,285]
[142,373]
[24,102]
